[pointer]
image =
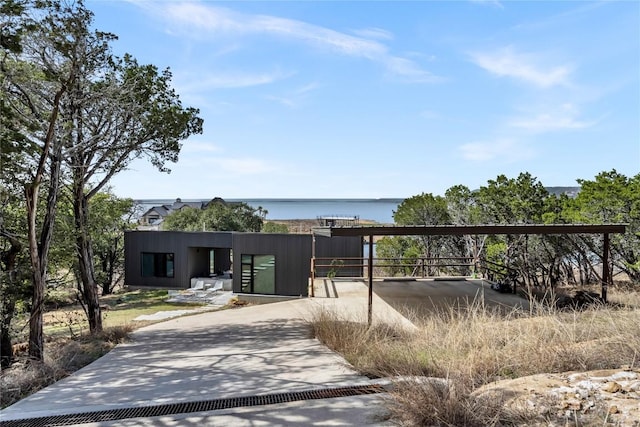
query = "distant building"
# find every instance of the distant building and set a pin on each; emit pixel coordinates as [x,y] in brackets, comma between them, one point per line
[152,219]
[338,220]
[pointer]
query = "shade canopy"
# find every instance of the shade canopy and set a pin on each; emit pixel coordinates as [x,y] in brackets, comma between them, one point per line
[462,230]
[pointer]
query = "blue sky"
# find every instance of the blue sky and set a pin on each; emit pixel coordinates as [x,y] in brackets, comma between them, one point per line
[386,99]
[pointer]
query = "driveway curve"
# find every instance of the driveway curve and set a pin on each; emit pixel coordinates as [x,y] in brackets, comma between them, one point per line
[248,351]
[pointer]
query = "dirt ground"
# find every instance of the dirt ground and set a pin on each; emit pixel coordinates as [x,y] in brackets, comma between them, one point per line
[604,397]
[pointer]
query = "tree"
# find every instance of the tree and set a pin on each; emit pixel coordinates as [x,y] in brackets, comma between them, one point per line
[217,216]
[425,209]
[72,103]
[35,81]
[110,218]
[185,219]
[129,113]
[464,210]
[512,201]
[610,198]
[422,209]
[14,265]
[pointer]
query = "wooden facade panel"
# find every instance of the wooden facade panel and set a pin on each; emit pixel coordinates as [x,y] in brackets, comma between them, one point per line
[339,247]
[292,254]
[189,249]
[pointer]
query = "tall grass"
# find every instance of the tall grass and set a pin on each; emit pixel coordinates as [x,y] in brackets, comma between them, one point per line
[62,357]
[477,345]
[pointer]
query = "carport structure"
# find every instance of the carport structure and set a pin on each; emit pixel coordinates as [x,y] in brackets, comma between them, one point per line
[474,230]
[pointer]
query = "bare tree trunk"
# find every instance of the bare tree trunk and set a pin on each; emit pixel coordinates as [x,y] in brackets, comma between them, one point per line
[85,257]
[39,251]
[38,254]
[36,338]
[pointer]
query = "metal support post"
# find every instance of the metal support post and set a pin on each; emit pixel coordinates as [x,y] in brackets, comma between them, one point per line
[370,274]
[605,267]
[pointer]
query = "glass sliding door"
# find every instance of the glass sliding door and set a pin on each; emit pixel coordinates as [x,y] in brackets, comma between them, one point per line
[258,274]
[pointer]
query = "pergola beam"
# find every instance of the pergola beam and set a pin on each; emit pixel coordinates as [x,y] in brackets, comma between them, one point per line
[461,230]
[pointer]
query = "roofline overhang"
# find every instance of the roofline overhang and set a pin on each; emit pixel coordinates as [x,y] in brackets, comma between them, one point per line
[461,230]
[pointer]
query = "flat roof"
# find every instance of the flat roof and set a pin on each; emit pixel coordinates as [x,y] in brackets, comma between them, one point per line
[461,230]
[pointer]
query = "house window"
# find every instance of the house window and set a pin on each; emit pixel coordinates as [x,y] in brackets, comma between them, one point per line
[258,274]
[212,262]
[157,264]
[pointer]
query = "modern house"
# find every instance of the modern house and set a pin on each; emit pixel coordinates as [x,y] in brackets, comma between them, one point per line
[257,263]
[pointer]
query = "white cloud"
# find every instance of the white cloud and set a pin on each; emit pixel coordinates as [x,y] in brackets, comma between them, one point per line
[507,150]
[549,122]
[560,118]
[522,66]
[202,20]
[410,70]
[195,17]
[374,33]
[228,80]
[296,97]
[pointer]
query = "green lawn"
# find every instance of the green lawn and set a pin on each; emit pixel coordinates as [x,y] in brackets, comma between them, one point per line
[118,310]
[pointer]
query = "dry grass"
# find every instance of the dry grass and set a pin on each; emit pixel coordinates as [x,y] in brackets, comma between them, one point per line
[476,346]
[69,346]
[63,356]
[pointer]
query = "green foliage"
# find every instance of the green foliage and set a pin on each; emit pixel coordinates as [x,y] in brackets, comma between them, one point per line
[275,227]
[511,201]
[334,269]
[461,205]
[423,209]
[12,26]
[541,260]
[110,218]
[217,216]
[71,110]
[611,198]
[399,250]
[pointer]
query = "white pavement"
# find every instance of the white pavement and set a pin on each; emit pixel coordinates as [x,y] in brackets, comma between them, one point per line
[229,353]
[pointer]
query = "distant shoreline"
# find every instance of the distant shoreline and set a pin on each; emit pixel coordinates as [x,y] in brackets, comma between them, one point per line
[284,199]
[304,226]
[379,210]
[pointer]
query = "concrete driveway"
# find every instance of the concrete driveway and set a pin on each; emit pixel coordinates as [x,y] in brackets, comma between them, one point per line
[416,299]
[248,351]
[241,353]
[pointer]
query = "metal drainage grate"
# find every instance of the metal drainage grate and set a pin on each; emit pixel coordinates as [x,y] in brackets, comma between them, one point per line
[189,407]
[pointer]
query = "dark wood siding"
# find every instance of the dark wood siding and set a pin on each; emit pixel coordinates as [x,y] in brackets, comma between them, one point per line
[191,256]
[293,259]
[336,248]
[189,249]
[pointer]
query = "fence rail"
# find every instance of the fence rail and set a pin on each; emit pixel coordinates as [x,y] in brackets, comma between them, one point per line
[406,267]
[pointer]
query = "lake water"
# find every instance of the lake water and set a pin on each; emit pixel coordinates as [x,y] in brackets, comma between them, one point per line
[379,210]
